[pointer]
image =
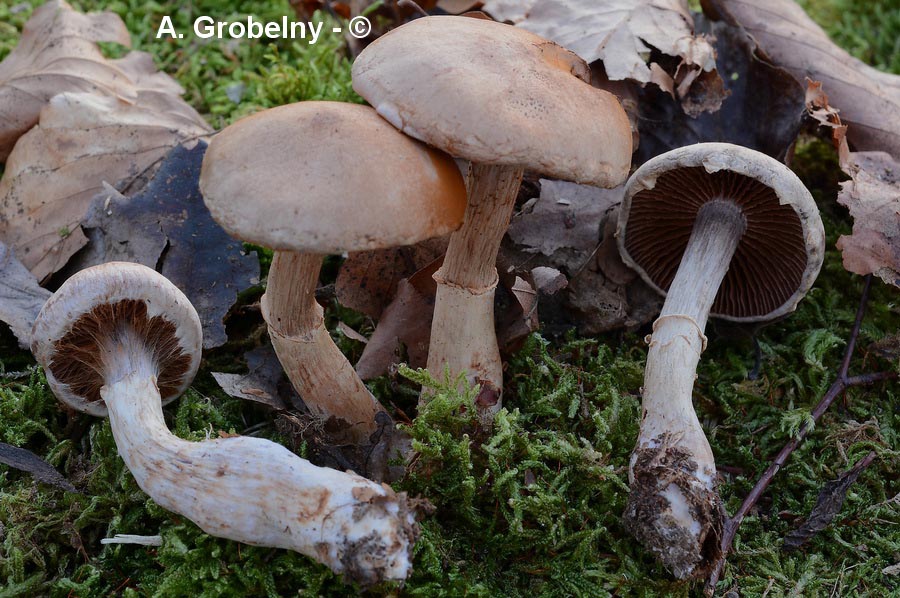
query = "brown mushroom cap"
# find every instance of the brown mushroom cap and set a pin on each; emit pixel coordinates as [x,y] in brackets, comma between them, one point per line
[328,177]
[779,255]
[109,302]
[496,94]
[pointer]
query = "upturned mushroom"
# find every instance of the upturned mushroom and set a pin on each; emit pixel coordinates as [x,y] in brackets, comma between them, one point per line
[507,101]
[719,230]
[120,340]
[317,178]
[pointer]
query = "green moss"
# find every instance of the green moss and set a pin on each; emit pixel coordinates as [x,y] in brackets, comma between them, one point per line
[531,509]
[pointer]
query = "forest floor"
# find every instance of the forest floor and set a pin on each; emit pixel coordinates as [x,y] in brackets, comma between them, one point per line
[534,509]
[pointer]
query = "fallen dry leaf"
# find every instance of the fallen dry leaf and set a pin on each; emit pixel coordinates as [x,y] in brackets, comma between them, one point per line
[873,197]
[763,111]
[265,382]
[82,141]
[25,460]
[868,99]
[404,324]
[623,34]
[167,226]
[21,297]
[57,52]
[367,281]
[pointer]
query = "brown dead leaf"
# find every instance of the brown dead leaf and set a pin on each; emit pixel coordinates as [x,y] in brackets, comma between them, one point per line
[404,324]
[21,297]
[868,99]
[564,222]
[873,198]
[367,281]
[623,34]
[82,141]
[516,313]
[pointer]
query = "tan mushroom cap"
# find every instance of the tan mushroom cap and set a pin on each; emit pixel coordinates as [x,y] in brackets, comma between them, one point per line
[779,255]
[103,302]
[496,94]
[328,177]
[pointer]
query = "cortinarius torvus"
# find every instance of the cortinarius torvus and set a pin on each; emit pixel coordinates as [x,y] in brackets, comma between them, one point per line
[317,178]
[120,339]
[508,101]
[720,230]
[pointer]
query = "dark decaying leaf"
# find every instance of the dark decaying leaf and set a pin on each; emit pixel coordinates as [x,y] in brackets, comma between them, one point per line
[763,111]
[367,281]
[828,505]
[564,222]
[167,226]
[21,297]
[25,460]
[571,229]
[265,382]
[868,99]
[873,197]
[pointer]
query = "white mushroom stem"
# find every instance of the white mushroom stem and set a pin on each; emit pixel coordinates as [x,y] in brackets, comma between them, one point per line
[462,331]
[674,508]
[318,370]
[257,492]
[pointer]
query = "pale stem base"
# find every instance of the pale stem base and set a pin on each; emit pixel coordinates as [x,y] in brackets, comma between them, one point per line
[257,492]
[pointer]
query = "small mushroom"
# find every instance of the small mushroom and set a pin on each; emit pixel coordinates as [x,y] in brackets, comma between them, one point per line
[120,340]
[316,178]
[719,230]
[508,101]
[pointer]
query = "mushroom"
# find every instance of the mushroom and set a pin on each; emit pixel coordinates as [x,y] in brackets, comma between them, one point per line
[507,101]
[120,339]
[316,178]
[719,230]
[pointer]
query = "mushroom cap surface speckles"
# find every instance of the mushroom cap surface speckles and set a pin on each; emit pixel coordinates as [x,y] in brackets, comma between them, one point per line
[779,255]
[496,94]
[104,320]
[329,177]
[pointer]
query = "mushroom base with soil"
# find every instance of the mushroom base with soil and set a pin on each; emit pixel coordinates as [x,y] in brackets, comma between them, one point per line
[673,508]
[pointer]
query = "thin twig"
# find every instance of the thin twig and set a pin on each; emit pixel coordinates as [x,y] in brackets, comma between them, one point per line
[842,383]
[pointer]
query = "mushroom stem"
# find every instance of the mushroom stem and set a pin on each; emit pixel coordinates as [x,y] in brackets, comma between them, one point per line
[316,367]
[462,331]
[257,492]
[673,507]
